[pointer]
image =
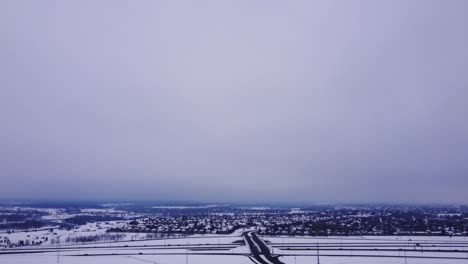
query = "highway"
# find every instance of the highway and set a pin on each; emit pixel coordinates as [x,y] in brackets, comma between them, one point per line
[260,251]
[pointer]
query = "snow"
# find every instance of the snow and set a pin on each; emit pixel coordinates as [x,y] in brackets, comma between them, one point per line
[158,259]
[98,210]
[374,256]
[256,208]
[185,207]
[223,249]
[364,260]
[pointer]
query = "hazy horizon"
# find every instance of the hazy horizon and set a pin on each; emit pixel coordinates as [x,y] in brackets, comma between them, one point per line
[304,101]
[56,202]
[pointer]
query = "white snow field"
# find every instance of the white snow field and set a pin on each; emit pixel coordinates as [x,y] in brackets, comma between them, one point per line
[228,249]
[371,249]
[158,259]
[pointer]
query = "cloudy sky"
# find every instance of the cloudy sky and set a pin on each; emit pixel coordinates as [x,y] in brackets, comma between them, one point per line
[317,101]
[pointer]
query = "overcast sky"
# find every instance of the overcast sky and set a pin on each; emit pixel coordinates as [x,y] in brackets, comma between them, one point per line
[316,101]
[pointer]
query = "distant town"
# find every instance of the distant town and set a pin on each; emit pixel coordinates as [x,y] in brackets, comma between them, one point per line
[174,232]
[312,221]
[156,220]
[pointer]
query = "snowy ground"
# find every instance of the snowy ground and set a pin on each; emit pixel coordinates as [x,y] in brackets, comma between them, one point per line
[161,259]
[366,260]
[227,249]
[84,230]
[372,249]
[194,250]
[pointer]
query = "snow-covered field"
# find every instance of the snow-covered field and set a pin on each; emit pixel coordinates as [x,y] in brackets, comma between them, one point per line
[158,259]
[228,249]
[52,233]
[366,260]
[161,251]
[371,249]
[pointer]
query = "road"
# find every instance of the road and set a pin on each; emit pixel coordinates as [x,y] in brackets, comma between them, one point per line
[260,251]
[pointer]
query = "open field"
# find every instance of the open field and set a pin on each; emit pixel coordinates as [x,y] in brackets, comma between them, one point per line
[236,249]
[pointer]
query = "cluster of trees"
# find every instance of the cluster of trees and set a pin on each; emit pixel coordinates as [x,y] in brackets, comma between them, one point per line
[30,242]
[84,219]
[90,238]
[28,224]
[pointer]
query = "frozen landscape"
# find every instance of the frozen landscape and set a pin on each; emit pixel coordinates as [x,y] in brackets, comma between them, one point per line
[235,249]
[235,233]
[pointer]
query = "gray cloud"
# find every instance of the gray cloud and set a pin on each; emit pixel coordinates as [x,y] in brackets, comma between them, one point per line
[299,101]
